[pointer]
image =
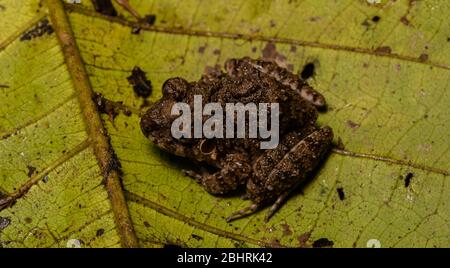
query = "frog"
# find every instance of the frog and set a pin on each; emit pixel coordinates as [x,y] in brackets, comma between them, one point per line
[269,176]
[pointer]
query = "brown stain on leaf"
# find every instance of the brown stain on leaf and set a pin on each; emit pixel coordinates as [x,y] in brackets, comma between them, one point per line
[384,50]
[423,57]
[270,53]
[303,239]
[352,124]
[286,229]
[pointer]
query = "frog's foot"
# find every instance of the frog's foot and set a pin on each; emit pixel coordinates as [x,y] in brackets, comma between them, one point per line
[313,96]
[126,5]
[278,203]
[190,173]
[243,212]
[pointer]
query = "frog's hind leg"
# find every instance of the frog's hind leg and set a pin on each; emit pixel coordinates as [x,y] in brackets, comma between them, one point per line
[305,155]
[243,212]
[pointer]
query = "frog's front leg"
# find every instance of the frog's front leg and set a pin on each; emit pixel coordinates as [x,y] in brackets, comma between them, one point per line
[234,172]
[288,173]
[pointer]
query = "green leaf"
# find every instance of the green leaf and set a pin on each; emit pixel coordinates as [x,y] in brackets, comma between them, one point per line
[383,68]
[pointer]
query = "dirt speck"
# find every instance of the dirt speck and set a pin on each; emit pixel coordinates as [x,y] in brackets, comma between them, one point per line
[149,19]
[323,243]
[202,49]
[141,85]
[376,19]
[31,171]
[423,57]
[341,193]
[104,7]
[100,232]
[308,71]
[352,124]
[408,178]
[4,222]
[105,106]
[42,27]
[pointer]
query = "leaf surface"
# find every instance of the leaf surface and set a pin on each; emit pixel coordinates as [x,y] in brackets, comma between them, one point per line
[384,70]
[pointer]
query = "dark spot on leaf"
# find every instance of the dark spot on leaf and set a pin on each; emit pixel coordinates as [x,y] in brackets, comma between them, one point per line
[384,50]
[4,86]
[323,243]
[376,19]
[293,49]
[197,237]
[341,193]
[100,232]
[365,23]
[272,23]
[216,51]
[104,7]
[28,220]
[408,178]
[404,20]
[141,85]
[173,246]
[352,124]
[423,57]
[4,222]
[269,52]
[146,224]
[202,49]
[31,171]
[308,71]
[253,49]
[275,243]
[42,27]
[340,145]
[149,19]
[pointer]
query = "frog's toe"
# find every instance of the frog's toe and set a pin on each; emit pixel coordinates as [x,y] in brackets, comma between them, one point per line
[243,212]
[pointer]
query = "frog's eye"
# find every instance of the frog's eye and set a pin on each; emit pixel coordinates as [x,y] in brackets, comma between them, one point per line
[175,88]
[207,147]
